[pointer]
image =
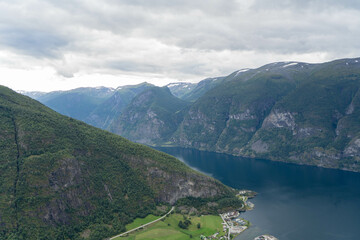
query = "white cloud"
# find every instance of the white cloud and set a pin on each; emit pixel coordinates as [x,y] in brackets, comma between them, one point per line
[64,44]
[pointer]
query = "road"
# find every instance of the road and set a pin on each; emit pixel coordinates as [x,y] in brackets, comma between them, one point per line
[228,227]
[132,230]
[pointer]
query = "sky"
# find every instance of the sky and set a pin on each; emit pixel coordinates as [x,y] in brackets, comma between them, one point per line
[48,45]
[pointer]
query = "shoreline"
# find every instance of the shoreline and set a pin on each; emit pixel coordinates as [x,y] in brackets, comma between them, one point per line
[232,223]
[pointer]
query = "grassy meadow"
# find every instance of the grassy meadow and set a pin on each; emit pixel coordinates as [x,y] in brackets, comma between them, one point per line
[169,229]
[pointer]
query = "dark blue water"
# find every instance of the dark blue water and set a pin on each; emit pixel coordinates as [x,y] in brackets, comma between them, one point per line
[293,202]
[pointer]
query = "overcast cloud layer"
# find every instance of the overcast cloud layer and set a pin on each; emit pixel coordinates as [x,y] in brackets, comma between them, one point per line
[48,45]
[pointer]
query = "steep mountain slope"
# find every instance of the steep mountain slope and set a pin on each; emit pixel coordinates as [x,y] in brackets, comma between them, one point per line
[59,176]
[227,116]
[297,112]
[103,115]
[151,117]
[318,123]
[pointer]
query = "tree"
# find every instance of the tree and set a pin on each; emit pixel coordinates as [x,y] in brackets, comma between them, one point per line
[182,225]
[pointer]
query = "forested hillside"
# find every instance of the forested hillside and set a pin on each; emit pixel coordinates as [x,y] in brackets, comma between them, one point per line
[60,177]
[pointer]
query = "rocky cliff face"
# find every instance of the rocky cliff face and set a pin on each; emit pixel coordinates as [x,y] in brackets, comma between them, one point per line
[227,117]
[278,119]
[178,185]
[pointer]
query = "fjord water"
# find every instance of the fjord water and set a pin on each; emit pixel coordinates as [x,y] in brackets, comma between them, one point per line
[294,202]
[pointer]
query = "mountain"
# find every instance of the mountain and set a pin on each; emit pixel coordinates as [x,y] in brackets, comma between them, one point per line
[192,91]
[104,114]
[151,117]
[285,111]
[61,178]
[95,106]
[100,106]
[179,89]
[201,88]
[76,103]
[288,111]
[32,94]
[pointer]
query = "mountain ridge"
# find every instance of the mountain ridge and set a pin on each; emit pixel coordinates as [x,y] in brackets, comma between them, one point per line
[285,111]
[297,112]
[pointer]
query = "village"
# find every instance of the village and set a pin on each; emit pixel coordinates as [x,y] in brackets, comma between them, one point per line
[232,224]
[265,237]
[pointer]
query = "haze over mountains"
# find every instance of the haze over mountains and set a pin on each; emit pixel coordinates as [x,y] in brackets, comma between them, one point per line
[286,111]
[60,177]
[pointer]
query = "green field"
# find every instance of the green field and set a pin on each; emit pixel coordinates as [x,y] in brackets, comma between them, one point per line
[169,229]
[141,221]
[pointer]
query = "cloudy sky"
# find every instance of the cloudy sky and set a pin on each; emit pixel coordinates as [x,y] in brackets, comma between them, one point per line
[47,45]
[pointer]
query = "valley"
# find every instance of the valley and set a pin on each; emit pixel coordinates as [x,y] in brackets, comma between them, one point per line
[178,120]
[290,112]
[285,111]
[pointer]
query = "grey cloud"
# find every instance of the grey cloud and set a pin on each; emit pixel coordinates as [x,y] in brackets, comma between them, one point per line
[283,27]
[280,26]
[32,42]
[65,72]
[298,5]
[76,28]
[216,7]
[133,66]
[194,68]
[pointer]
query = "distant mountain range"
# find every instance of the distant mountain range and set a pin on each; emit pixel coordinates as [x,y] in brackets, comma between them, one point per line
[101,106]
[286,111]
[63,179]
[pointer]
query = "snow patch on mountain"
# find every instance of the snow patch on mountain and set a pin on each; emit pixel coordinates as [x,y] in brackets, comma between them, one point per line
[173,84]
[241,70]
[290,64]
